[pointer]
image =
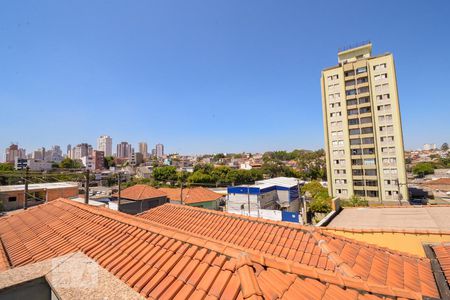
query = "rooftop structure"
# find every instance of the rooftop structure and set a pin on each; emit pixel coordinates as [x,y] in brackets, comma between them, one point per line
[256,260]
[402,218]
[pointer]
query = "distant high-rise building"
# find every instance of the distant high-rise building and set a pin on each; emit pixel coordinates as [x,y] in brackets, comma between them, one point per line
[159,150]
[104,143]
[98,158]
[363,129]
[11,153]
[153,152]
[39,154]
[428,147]
[81,150]
[124,150]
[55,154]
[69,149]
[143,148]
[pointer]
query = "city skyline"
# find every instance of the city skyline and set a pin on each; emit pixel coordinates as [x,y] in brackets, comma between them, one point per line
[210,63]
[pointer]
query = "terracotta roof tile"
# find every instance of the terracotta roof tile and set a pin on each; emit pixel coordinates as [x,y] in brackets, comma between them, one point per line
[163,263]
[140,192]
[309,246]
[191,195]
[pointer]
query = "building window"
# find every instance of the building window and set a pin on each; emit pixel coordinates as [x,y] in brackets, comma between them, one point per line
[349,73]
[364,110]
[367,130]
[366,120]
[354,131]
[353,121]
[364,89]
[350,92]
[362,80]
[367,151]
[12,199]
[364,100]
[351,102]
[361,70]
[351,112]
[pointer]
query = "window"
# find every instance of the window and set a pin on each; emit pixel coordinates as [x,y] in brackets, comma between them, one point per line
[370,172]
[372,194]
[366,120]
[369,161]
[363,89]
[356,151]
[349,73]
[364,110]
[354,131]
[366,141]
[366,130]
[353,121]
[364,100]
[371,182]
[360,193]
[357,162]
[355,141]
[368,151]
[380,76]
[361,70]
[358,172]
[362,80]
[358,183]
[12,199]
[350,82]
[379,67]
[351,102]
[350,92]
[352,112]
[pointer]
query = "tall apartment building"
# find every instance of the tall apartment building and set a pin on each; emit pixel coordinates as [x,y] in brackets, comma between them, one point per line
[363,129]
[13,152]
[124,150]
[143,148]
[104,143]
[159,149]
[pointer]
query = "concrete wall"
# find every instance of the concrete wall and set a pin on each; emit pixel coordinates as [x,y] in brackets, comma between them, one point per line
[51,194]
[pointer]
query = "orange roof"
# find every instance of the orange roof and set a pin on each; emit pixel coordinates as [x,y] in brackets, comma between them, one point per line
[160,262]
[306,245]
[442,252]
[140,192]
[440,181]
[191,195]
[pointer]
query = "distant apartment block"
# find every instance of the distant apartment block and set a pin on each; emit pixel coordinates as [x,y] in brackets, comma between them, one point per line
[159,149]
[143,148]
[104,143]
[32,164]
[13,152]
[98,157]
[363,129]
[124,150]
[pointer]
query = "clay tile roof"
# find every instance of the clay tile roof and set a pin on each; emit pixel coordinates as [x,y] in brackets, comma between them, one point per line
[191,195]
[305,245]
[440,181]
[163,262]
[140,192]
[442,252]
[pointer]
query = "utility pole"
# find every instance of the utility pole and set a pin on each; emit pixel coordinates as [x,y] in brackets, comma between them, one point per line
[25,192]
[86,195]
[181,193]
[120,190]
[248,199]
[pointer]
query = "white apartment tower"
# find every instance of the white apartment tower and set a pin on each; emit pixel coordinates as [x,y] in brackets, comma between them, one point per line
[363,128]
[159,149]
[104,143]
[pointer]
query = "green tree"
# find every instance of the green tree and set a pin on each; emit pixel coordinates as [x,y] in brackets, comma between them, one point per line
[205,168]
[165,173]
[444,147]
[355,201]
[68,163]
[423,168]
[6,167]
[315,188]
[109,162]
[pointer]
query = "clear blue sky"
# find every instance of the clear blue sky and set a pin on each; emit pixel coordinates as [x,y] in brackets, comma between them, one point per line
[207,76]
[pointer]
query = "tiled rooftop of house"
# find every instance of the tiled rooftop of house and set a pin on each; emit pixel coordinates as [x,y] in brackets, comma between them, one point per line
[303,245]
[252,259]
[442,252]
[191,195]
[140,192]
